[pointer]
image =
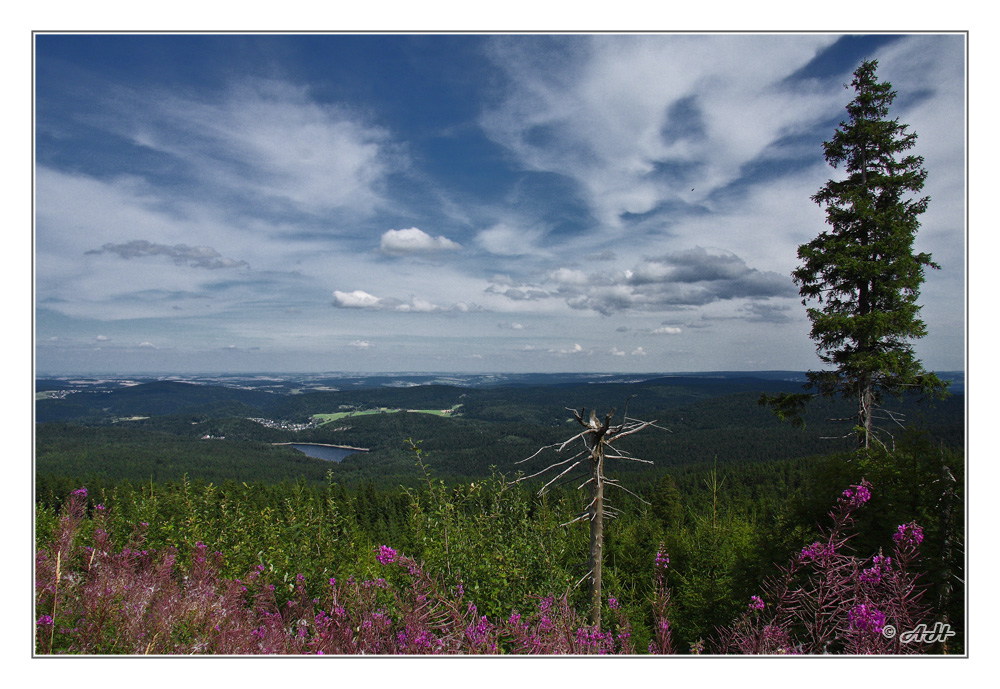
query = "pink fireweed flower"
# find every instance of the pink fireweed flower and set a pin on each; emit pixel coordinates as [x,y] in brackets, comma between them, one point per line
[856,496]
[815,551]
[662,559]
[866,618]
[756,603]
[880,567]
[613,603]
[909,535]
[82,492]
[386,555]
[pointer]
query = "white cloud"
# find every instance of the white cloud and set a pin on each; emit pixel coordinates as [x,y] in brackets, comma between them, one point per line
[418,305]
[682,279]
[269,139]
[359,299]
[181,254]
[667,330]
[638,351]
[566,276]
[414,240]
[361,344]
[575,349]
[611,112]
[355,300]
[507,240]
[102,338]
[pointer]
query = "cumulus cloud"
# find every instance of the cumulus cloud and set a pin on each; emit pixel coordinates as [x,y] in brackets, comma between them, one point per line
[102,338]
[667,330]
[414,240]
[181,254]
[763,312]
[680,280]
[510,326]
[518,292]
[147,345]
[566,276]
[361,344]
[575,349]
[357,299]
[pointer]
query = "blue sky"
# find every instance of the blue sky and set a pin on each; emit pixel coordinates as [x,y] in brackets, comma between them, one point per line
[238,203]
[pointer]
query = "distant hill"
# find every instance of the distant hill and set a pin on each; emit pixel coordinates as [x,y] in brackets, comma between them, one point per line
[151,399]
[222,429]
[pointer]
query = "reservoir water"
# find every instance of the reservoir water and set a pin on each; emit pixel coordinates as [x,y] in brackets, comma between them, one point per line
[330,454]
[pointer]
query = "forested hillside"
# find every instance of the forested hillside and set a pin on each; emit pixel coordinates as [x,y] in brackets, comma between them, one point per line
[210,431]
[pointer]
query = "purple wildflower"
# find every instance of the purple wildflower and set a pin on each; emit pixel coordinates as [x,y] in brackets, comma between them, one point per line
[756,603]
[82,492]
[816,551]
[45,621]
[856,496]
[386,555]
[909,535]
[866,618]
[613,603]
[662,559]
[880,567]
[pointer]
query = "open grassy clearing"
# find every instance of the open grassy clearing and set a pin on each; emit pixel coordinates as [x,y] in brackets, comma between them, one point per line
[326,418]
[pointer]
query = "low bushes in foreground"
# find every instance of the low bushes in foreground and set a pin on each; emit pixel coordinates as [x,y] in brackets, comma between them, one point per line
[91,598]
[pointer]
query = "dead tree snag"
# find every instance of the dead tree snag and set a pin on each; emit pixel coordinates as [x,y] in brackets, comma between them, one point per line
[597,438]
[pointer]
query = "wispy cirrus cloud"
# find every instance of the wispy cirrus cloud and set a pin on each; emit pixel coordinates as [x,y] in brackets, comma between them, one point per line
[645,121]
[270,139]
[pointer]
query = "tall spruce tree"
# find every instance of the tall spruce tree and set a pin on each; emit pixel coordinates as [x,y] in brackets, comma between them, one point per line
[863,272]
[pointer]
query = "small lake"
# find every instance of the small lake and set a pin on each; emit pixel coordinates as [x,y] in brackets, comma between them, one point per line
[330,454]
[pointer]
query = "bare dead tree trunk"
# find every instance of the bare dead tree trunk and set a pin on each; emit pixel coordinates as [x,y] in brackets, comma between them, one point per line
[596,533]
[866,402]
[597,437]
